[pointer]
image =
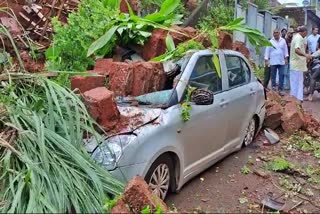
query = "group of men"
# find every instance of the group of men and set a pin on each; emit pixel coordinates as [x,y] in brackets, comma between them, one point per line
[287,59]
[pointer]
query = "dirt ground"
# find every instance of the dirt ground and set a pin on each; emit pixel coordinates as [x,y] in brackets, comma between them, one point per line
[223,188]
[313,107]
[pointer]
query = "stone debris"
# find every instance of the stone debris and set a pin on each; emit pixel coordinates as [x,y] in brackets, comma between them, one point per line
[273,115]
[85,83]
[137,196]
[102,107]
[286,112]
[121,207]
[292,118]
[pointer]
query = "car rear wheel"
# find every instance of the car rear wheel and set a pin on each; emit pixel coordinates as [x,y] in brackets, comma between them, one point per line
[160,176]
[250,132]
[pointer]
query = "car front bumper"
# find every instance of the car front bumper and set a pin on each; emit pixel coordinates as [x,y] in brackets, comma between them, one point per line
[126,173]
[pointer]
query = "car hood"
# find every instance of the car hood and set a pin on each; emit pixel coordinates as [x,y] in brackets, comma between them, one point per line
[133,118]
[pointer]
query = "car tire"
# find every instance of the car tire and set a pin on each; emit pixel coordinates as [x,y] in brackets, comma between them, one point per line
[160,176]
[250,132]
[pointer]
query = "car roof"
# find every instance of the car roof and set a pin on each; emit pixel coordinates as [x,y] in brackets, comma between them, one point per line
[229,52]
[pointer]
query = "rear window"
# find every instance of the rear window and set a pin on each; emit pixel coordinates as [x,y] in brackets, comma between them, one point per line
[238,71]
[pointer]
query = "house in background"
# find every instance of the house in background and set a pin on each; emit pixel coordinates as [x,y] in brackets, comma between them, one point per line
[274,3]
[298,14]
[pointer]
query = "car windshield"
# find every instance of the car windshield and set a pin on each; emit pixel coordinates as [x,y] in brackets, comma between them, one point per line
[159,98]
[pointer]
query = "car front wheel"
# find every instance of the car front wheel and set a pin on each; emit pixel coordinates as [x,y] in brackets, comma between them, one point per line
[250,132]
[160,176]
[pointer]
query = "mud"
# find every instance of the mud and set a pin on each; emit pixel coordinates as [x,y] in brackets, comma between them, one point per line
[224,189]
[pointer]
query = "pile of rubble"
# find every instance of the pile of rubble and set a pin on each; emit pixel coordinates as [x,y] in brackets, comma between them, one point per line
[35,17]
[138,196]
[286,112]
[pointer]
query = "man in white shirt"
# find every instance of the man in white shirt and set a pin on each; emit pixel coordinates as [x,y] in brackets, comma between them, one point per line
[298,63]
[312,40]
[277,57]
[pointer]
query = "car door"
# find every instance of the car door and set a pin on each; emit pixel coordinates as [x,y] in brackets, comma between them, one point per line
[241,99]
[204,135]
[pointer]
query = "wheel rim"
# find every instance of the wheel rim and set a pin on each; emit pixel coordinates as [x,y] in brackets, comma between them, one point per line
[159,181]
[250,132]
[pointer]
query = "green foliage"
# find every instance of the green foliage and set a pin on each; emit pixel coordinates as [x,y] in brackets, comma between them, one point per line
[151,6]
[44,165]
[285,182]
[220,14]
[262,4]
[279,164]
[245,170]
[71,42]
[306,144]
[49,170]
[183,48]
[146,210]
[186,106]
[178,52]
[250,160]
[109,204]
[158,210]
[5,60]
[255,37]
[132,29]
[259,73]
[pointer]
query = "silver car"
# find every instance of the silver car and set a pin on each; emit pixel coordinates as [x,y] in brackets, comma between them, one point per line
[159,146]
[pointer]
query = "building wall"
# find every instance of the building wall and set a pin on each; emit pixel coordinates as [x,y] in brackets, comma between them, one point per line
[298,14]
[261,20]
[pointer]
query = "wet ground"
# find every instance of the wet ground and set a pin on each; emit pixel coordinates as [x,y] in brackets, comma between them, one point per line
[224,188]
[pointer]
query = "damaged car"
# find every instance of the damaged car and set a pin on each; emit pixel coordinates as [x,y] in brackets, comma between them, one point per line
[227,110]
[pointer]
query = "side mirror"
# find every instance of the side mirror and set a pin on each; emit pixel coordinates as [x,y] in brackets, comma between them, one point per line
[202,97]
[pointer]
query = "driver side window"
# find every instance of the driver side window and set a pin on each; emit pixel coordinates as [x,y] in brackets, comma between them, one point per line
[204,75]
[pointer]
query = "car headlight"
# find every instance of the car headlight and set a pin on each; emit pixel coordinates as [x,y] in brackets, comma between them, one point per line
[110,150]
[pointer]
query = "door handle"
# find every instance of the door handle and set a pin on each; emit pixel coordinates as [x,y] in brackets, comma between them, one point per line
[223,103]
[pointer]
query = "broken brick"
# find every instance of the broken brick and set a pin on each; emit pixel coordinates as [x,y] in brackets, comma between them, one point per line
[102,66]
[86,83]
[311,125]
[273,115]
[292,118]
[273,96]
[121,80]
[225,40]
[191,4]
[134,4]
[102,107]
[155,46]
[241,47]
[120,207]
[138,195]
[147,77]
[186,34]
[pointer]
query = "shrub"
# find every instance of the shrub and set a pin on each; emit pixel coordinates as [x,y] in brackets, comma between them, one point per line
[68,51]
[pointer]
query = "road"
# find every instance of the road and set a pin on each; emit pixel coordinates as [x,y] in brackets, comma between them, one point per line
[220,188]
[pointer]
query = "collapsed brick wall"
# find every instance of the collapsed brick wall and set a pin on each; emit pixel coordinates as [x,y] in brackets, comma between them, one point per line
[125,78]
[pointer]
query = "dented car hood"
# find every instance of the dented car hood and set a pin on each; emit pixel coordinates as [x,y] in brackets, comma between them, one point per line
[133,118]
